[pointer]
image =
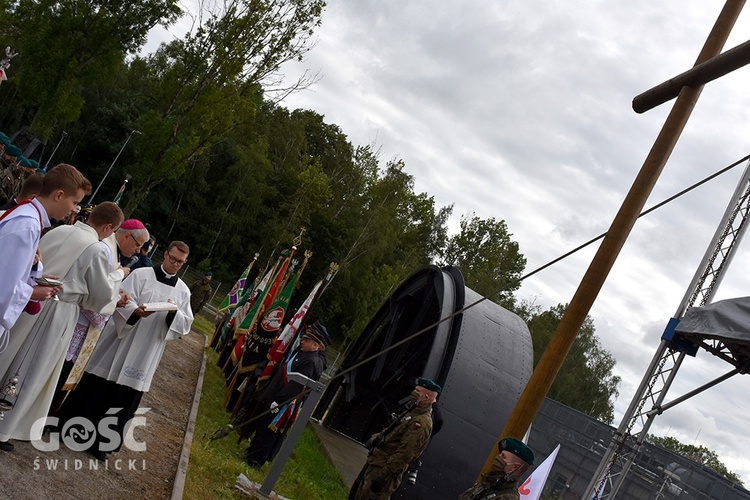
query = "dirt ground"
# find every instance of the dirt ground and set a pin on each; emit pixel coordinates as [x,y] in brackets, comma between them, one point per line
[28,473]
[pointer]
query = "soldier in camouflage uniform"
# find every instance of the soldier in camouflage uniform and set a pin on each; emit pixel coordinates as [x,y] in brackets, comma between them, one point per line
[397,446]
[200,292]
[501,482]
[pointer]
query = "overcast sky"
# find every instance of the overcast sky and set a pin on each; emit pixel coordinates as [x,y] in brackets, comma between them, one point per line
[521,110]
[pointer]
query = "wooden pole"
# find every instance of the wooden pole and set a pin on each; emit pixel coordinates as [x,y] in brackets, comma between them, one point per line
[546,370]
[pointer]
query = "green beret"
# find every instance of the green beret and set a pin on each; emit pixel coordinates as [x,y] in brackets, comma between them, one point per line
[13,150]
[24,162]
[518,448]
[4,139]
[429,385]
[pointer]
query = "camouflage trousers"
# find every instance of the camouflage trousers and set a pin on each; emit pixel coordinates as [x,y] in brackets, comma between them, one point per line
[362,487]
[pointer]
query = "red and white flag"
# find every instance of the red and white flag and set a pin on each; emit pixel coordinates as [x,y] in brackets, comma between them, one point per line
[531,489]
[289,334]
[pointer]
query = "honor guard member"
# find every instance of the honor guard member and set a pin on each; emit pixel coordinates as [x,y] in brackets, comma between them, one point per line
[501,482]
[281,395]
[394,449]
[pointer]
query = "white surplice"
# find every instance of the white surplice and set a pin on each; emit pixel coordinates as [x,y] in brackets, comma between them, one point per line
[129,354]
[38,343]
[19,238]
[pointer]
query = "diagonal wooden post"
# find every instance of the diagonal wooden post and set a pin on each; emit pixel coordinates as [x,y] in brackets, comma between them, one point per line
[546,370]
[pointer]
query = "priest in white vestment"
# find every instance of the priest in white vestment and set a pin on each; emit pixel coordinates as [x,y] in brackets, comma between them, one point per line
[63,188]
[131,235]
[38,343]
[129,350]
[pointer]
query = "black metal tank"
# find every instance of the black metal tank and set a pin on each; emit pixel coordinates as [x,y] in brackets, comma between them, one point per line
[482,357]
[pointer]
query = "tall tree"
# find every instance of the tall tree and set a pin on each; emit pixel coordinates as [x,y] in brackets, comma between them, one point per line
[699,454]
[487,257]
[585,381]
[64,45]
[204,84]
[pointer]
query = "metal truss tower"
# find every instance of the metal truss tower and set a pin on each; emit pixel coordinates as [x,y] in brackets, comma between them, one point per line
[648,401]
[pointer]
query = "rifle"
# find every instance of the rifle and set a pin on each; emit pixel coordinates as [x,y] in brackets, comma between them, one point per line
[377,439]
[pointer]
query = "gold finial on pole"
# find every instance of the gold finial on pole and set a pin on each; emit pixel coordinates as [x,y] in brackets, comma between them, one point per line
[333,268]
[298,239]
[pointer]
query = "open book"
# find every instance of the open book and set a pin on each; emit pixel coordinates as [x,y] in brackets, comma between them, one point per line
[160,306]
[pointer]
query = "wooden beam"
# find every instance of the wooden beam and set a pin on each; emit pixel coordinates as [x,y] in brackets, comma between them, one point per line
[700,74]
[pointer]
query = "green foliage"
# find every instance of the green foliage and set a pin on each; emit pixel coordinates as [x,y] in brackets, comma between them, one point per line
[585,380]
[489,260]
[207,84]
[699,454]
[64,46]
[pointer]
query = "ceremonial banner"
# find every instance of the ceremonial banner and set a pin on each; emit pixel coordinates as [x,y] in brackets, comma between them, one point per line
[251,299]
[279,348]
[275,314]
[267,297]
[262,338]
[249,296]
[245,302]
[233,297]
[248,324]
[531,489]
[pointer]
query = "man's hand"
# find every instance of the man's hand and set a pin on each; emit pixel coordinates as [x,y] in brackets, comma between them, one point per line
[125,270]
[274,407]
[44,292]
[37,257]
[124,299]
[141,312]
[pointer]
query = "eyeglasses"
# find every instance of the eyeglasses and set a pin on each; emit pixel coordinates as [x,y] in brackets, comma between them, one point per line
[138,245]
[175,260]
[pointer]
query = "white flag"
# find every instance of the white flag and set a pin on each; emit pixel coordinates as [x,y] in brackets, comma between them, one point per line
[531,489]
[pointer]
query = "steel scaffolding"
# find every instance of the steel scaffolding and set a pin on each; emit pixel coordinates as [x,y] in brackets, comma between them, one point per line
[648,401]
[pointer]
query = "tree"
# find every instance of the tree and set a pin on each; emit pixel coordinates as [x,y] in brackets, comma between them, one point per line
[65,45]
[585,380]
[487,257]
[699,454]
[208,83]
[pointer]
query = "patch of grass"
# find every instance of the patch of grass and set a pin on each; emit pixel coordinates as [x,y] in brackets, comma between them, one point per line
[214,466]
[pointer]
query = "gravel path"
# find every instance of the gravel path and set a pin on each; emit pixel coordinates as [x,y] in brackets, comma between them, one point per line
[28,473]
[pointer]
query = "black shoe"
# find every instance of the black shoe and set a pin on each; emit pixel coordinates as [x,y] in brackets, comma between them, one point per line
[252,463]
[6,446]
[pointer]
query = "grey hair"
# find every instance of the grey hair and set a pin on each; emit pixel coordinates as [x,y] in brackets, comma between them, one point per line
[135,233]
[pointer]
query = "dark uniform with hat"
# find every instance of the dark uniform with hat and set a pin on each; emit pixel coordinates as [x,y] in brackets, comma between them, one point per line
[394,449]
[498,484]
[279,396]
